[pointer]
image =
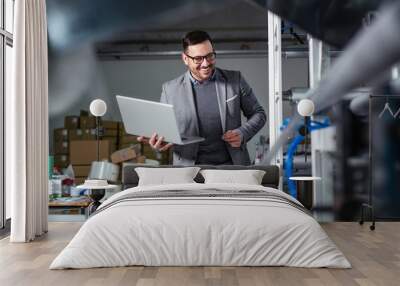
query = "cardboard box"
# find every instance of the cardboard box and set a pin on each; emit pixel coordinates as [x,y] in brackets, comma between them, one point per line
[113,140]
[123,146]
[81,170]
[148,151]
[89,134]
[75,134]
[126,154]
[121,130]
[61,147]
[138,160]
[71,122]
[61,161]
[162,157]
[113,148]
[84,152]
[61,134]
[87,122]
[113,143]
[110,132]
[80,180]
[128,139]
[106,124]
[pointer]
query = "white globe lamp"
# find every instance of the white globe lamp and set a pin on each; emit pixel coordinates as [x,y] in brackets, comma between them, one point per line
[305,107]
[98,107]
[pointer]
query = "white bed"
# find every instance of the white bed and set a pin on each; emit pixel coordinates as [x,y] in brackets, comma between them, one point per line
[271,229]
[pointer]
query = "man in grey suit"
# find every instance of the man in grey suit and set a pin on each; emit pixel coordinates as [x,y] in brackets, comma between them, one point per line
[208,102]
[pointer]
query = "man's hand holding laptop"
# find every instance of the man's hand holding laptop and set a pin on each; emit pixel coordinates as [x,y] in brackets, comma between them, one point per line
[156,142]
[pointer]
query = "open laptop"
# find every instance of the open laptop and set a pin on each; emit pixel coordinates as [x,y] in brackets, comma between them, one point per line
[144,117]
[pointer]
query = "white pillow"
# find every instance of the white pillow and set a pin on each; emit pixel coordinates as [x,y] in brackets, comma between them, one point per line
[164,176]
[248,177]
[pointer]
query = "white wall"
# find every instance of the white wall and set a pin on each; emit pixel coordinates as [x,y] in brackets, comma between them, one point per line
[143,78]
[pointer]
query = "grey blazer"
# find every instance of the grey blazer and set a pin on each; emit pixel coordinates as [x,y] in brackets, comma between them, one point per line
[234,96]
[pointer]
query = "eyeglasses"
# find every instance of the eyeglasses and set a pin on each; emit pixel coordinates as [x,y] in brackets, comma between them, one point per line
[199,59]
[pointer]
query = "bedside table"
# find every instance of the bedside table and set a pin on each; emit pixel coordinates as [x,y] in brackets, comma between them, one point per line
[96,191]
[304,187]
[80,203]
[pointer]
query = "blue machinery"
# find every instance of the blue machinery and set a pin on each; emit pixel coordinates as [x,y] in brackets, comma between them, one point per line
[302,130]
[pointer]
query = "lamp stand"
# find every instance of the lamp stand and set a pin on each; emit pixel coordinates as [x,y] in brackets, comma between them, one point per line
[306,123]
[95,195]
[97,138]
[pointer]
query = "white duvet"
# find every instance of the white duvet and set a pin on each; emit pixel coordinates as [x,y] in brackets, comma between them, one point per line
[200,231]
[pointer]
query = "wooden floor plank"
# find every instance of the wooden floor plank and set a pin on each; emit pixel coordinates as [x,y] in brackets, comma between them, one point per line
[374,255]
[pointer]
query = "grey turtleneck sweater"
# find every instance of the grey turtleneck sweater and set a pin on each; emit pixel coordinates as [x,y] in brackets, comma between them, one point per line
[213,150]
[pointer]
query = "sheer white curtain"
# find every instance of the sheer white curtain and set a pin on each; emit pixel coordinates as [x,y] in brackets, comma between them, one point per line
[27,123]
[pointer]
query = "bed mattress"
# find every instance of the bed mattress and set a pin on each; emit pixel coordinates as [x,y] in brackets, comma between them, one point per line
[201,225]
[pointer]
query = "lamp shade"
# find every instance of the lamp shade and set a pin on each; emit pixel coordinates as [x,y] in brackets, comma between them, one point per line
[305,107]
[98,107]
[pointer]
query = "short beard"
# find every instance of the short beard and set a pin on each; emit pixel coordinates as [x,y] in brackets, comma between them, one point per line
[210,66]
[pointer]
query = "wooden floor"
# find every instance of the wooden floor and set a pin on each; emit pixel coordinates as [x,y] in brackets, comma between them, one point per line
[375,257]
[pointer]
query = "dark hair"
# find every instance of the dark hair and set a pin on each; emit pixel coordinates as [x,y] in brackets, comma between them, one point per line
[194,38]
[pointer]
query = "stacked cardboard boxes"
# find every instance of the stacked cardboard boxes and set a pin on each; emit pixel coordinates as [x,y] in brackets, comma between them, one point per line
[81,173]
[83,147]
[131,153]
[83,153]
[162,157]
[109,131]
[76,143]
[61,141]
[126,140]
